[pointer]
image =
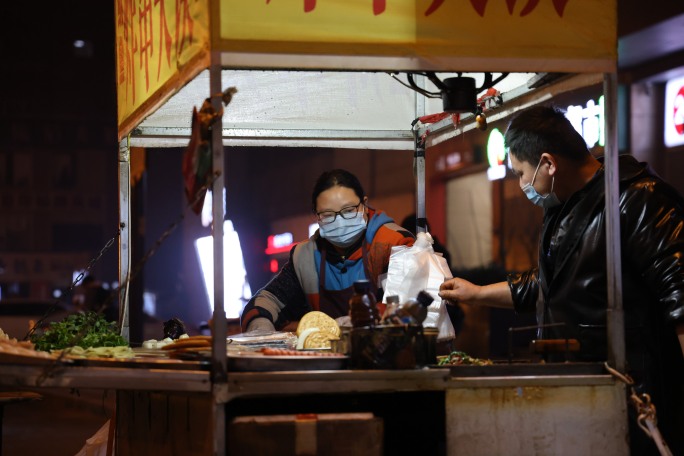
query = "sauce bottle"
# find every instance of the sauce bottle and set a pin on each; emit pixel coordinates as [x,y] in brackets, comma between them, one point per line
[362,305]
[391,307]
[417,308]
[412,312]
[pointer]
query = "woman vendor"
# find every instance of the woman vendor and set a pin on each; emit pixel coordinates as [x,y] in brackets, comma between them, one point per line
[353,242]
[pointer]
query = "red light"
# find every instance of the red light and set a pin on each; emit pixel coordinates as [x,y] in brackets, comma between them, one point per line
[274,266]
[279,243]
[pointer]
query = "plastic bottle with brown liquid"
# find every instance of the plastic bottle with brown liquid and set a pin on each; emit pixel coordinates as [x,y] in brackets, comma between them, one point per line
[362,305]
[412,312]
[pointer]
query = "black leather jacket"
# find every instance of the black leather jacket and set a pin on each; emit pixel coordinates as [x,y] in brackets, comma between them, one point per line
[572,269]
[573,283]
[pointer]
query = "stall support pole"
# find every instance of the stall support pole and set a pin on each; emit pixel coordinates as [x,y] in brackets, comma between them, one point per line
[219,377]
[419,161]
[419,171]
[125,236]
[615,313]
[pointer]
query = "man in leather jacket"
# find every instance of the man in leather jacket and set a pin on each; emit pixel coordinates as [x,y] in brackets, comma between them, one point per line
[557,172]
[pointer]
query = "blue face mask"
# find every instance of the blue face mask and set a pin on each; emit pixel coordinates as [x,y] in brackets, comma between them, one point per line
[546,201]
[343,232]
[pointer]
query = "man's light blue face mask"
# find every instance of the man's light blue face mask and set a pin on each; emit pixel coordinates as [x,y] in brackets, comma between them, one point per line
[546,201]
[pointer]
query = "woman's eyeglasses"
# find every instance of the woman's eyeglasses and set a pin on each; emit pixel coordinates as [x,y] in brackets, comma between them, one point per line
[347,213]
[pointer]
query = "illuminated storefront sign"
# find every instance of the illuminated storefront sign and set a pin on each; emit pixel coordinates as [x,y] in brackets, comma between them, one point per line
[278,243]
[674,112]
[496,155]
[236,289]
[283,242]
[589,121]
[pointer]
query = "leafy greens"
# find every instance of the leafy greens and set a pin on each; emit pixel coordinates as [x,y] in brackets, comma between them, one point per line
[83,329]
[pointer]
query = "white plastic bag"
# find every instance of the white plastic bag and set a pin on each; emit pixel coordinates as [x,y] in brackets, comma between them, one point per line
[412,269]
[97,444]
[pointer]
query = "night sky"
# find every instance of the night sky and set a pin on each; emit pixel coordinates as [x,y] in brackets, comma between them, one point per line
[47,81]
[43,69]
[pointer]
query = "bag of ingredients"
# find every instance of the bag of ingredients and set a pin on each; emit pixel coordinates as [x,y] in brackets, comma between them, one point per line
[418,268]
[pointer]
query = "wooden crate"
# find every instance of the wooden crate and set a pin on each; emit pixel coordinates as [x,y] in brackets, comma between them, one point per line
[160,423]
[328,434]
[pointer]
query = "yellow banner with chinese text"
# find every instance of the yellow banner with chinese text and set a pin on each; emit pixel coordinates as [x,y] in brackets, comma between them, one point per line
[160,45]
[472,35]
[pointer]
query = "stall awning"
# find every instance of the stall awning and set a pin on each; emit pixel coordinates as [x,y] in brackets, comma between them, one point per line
[164,45]
[355,110]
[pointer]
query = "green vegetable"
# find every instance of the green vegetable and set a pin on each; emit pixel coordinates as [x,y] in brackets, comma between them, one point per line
[459,357]
[86,330]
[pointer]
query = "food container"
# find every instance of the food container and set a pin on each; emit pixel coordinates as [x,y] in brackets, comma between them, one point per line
[258,362]
[391,347]
[343,344]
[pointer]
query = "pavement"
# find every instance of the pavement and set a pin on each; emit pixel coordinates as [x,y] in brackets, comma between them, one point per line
[57,425]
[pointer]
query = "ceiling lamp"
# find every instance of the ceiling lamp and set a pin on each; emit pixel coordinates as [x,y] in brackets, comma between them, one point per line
[458,94]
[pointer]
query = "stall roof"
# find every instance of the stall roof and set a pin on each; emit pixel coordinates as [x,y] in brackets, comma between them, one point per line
[360,110]
[163,49]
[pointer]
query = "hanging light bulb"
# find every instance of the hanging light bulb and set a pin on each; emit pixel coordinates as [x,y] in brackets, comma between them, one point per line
[480,119]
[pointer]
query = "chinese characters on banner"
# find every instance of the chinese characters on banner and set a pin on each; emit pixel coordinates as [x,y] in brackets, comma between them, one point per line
[379,6]
[154,40]
[556,35]
[160,43]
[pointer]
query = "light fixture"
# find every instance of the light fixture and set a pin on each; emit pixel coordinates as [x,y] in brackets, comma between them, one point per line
[458,94]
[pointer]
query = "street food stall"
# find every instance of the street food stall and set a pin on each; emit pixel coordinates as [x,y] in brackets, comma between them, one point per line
[325,74]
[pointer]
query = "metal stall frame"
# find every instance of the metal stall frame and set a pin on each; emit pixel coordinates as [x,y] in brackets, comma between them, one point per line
[225,42]
[524,98]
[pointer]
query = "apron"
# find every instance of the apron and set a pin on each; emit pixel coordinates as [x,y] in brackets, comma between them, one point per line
[336,302]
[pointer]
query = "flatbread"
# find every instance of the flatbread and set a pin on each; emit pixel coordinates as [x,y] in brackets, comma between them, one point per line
[320,320]
[200,337]
[187,343]
[319,339]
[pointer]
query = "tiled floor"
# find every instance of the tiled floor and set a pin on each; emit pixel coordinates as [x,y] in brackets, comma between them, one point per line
[58,425]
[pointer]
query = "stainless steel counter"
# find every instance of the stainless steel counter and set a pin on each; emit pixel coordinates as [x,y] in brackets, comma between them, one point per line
[117,378]
[547,411]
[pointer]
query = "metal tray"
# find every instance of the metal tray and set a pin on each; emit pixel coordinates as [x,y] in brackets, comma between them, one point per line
[12,358]
[141,363]
[524,369]
[257,362]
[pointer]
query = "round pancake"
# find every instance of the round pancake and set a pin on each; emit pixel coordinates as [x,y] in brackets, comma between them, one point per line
[320,320]
[319,339]
[200,337]
[187,343]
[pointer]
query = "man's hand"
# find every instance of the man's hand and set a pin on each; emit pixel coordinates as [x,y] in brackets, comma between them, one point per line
[457,290]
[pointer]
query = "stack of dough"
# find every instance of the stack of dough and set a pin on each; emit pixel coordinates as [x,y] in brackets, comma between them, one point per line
[316,330]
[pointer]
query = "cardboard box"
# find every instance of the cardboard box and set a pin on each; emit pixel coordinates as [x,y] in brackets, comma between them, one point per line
[325,434]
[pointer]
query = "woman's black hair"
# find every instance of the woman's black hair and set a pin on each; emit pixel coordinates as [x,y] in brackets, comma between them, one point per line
[543,129]
[336,177]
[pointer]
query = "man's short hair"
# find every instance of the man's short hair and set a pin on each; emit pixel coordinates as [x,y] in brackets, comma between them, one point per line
[543,129]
